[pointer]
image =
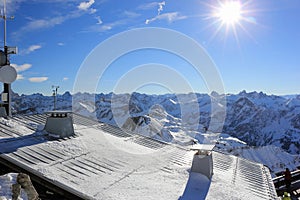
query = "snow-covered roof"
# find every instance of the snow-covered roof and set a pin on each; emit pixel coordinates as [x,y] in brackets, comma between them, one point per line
[238,178]
[104,162]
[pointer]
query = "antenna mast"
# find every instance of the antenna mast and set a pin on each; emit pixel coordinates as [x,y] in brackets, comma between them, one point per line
[55,95]
[4,18]
[5,63]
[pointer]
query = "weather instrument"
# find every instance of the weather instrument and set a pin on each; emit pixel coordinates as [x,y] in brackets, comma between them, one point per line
[55,88]
[8,74]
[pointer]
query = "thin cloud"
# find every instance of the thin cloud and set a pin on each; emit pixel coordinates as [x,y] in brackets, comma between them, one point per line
[45,23]
[85,5]
[160,7]
[61,44]
[77,9]
[65,78]
[108,26]
[151,5]
[13,6]
[21,68]
[34,47]
[130,14]
[93,10]
[30,49]
[147,6]
[99,20]
[20,77]
[38,79]
[100,26]
[39,24]
[170,17]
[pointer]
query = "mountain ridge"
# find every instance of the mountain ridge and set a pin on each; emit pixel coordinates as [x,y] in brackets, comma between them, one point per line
[256,118]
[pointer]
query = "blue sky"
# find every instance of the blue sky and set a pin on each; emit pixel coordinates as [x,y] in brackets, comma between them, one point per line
[260,52]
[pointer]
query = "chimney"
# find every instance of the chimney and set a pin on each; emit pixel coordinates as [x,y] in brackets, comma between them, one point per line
[202,161]
[60,123]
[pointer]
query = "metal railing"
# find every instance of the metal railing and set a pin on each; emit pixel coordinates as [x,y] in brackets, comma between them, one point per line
[279,180]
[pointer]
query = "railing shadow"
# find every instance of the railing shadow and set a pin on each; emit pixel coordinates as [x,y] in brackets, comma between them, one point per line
[9,145]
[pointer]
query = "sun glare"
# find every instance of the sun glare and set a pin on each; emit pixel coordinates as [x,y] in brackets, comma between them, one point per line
[229,12]
[230,15]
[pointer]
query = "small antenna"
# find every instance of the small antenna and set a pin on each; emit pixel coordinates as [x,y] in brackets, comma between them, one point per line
[4,17]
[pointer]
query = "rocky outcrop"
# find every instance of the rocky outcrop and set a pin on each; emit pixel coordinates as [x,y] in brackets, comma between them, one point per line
[24,182]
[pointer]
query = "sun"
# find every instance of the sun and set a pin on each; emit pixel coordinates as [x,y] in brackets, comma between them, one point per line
[229,13]
[229,17]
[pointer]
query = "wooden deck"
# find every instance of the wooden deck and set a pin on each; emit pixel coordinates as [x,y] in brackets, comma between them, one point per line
[73,171]
[106,162]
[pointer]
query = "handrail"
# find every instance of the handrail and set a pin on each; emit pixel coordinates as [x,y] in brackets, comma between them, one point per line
[279,181]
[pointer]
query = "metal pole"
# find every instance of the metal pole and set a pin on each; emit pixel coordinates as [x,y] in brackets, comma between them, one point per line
[55,95]
[55,101]
[6,86]
[4,17]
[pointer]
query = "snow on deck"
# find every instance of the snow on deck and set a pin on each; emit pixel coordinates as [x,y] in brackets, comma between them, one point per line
[98,165]
[104,162]
[238,178]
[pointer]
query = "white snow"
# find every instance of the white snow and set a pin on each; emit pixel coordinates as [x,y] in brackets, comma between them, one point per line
[273,157]
[98,165]
[140,169]
[89,107]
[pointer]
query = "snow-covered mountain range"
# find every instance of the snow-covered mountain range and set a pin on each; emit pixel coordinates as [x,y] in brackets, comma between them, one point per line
[267,122]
